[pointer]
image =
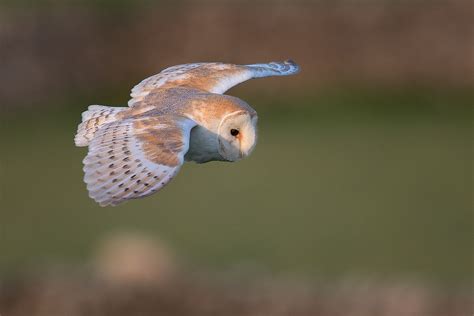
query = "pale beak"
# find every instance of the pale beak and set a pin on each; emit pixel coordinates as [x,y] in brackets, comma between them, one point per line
[241,153]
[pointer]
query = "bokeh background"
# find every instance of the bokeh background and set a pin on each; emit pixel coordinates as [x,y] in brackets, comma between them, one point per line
[356,201]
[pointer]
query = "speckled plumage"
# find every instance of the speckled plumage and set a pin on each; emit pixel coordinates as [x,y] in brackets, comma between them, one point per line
[177,115]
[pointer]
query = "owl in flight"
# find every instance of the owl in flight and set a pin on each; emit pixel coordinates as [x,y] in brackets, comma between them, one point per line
[175,116]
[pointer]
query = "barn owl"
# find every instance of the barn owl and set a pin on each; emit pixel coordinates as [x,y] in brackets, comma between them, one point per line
[175,116]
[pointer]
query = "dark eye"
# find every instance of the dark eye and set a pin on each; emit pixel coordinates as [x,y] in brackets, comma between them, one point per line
[234,132]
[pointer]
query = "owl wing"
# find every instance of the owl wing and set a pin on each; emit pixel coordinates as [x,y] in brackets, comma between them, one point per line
[134,158]
[211,77]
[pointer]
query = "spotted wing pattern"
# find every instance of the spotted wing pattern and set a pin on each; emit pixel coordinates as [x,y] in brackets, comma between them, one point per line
[211,77]
[134,158]
[92,120]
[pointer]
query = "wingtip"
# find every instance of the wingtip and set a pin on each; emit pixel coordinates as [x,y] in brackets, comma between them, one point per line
[293,64]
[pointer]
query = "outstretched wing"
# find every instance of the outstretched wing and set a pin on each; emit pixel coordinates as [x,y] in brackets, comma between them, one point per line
[134,158]
[212,77]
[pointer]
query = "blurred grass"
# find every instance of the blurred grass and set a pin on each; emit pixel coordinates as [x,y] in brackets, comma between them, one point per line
[343,182]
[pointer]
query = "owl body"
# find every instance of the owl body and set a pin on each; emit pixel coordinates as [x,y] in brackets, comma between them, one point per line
[206,109]
[175,116]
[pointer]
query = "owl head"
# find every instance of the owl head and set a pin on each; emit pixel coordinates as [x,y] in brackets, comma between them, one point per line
[237,135]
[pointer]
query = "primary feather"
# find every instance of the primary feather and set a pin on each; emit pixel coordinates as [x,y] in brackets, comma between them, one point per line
[92,119]
[126,160]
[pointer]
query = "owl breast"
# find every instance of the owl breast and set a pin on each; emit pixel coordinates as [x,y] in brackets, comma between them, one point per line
[203,146]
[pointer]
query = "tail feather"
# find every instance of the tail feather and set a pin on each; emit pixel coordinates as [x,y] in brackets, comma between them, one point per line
[92,120]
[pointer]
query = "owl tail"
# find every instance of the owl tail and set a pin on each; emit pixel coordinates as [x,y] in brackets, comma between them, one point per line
[92,120]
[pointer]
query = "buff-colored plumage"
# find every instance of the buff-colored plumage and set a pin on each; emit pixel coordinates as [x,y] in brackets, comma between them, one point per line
[177,115]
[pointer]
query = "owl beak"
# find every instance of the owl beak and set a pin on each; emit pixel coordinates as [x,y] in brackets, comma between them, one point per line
[241,152]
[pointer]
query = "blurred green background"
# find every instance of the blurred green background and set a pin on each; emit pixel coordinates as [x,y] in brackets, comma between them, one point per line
[364,160]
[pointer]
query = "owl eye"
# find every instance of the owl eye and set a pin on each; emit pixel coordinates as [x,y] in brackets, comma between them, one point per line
[234,132]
